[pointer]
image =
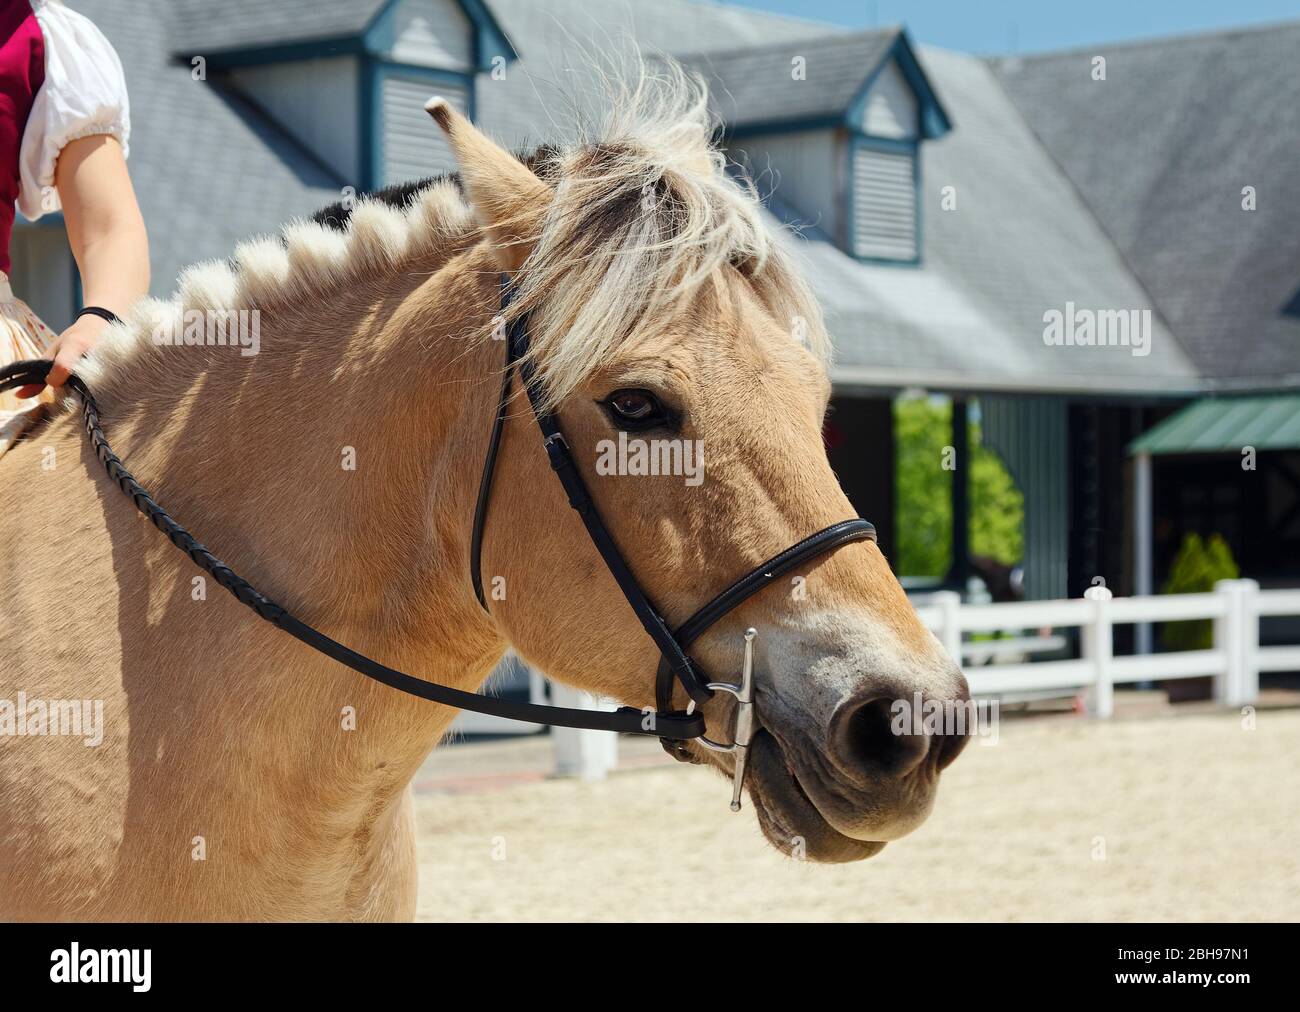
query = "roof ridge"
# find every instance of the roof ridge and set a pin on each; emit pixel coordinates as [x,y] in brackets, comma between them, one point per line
[756,14]
[838,35]
[1152,42]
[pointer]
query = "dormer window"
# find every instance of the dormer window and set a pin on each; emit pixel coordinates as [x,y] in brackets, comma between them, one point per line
[354,97]
[884,178]
[430,47]
[831,129]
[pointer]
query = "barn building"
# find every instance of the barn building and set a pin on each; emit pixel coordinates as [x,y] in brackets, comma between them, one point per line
[1095,250]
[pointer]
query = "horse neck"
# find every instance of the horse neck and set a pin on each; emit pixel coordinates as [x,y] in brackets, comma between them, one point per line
[336,470]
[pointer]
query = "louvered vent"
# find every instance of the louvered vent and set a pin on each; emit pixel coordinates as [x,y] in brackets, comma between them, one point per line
[884,204]
[413,145]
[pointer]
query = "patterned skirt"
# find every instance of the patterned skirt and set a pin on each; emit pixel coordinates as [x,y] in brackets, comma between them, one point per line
[22,335]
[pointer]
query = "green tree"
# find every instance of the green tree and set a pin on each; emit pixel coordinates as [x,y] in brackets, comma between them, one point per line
[922,432]
[922,428]
[997,522]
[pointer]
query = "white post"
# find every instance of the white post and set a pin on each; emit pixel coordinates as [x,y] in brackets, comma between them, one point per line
[1097,646]
[582,752]
[1248,596]
[1227,641]
[1236,635]
[949,604]
[1143,566]
[1224,644]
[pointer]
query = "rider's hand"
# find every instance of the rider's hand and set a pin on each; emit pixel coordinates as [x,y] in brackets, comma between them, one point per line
[67,351]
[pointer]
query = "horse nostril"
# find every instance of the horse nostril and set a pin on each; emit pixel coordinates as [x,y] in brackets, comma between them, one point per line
[866,739]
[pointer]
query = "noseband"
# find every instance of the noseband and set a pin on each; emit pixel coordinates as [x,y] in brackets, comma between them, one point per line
[673,727]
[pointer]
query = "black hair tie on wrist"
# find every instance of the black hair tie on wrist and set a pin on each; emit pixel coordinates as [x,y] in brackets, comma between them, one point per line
[100,311]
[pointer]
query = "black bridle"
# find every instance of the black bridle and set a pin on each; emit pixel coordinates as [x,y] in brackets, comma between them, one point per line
[674,727]
[675,663]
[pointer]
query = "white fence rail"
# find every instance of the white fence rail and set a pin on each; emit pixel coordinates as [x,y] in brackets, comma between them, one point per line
[1234,662]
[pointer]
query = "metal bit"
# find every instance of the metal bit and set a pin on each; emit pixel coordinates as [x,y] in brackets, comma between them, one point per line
[744,724]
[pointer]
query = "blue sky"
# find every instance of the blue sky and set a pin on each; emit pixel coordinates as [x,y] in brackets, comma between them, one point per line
[1026,26]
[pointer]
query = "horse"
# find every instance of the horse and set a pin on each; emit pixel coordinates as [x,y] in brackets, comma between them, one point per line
[238,775]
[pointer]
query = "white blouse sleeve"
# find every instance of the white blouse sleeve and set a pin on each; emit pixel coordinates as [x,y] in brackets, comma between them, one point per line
[84,93]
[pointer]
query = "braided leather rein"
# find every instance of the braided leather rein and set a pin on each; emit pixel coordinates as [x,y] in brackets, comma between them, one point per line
[626,719]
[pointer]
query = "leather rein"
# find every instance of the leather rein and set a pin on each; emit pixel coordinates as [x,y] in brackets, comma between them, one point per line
[673,727]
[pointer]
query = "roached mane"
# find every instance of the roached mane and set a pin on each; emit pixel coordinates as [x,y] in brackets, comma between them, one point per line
[645,213]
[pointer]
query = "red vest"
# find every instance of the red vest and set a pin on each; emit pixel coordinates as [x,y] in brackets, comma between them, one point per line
[22,70]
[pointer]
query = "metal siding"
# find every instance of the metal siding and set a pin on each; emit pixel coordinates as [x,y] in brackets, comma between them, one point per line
[884,204]
[1227,425]
[433,33]
[892,108]
[1030,436]
[413,145]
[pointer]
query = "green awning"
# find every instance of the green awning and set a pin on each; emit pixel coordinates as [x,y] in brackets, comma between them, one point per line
[1225,425]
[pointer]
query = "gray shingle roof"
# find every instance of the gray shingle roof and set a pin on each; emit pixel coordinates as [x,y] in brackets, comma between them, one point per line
[209,26]
[547,28]
[1143,153]
[210,170]
[1161,150]
[755,84]
[533,26]
[553,84]
[1020,242]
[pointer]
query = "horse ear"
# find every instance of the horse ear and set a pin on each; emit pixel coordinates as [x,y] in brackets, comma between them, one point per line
[509,198]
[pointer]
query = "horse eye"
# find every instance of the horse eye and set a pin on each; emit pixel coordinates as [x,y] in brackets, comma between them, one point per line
[638,407]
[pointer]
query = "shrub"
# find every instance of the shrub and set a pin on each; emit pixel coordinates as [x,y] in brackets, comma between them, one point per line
[1197,567]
